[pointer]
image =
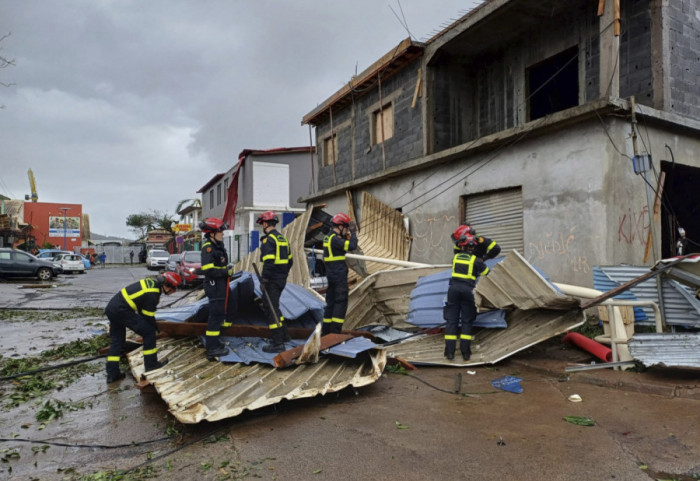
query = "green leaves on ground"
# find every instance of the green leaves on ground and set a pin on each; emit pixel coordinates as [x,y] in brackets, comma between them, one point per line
[400,426]
[579,420]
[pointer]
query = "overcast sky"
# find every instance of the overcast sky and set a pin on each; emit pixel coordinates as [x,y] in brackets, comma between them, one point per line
[125,106]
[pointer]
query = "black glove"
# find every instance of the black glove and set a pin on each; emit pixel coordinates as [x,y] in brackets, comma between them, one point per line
[352,227]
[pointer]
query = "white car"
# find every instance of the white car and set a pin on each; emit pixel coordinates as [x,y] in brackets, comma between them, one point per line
[156,259]
[69,263]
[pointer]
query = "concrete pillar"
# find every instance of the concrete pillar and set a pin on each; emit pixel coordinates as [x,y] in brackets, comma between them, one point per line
[660,54]
[609,83]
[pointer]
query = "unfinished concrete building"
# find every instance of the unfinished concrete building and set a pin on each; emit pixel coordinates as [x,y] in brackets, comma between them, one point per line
[546,125]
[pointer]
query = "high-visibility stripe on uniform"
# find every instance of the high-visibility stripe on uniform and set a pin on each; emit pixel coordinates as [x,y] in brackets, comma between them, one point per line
[227,324]
[327,245]
[112,358]
[212,333]
[460,262]
[327,321]
[450,337]
[149,352]
[338,320]
[147,285]
[274,326]
[466,337]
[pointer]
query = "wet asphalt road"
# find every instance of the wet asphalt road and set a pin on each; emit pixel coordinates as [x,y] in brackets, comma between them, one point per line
[400,428]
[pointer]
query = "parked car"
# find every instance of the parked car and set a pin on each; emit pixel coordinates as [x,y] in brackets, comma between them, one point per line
[171,264]
[156,259]
[70,263]
[189,268]
[16,263]
[50,254]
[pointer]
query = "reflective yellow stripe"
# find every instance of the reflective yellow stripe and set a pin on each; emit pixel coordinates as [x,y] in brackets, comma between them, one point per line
[327,247]
[491,246]
[129,301]
[226,324]
[268,257]
[466,336]
[208,266]
[459,260]
[112,358]
[339,321]
[150,351]
[273,326]
[450,337]
[282,242]
[148,313]
[327,321]
[212,333]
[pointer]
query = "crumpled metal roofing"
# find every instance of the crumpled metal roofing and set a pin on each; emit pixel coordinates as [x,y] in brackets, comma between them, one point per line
[669,349]
[680,305]
[427,298]
[198,390]
[514,283]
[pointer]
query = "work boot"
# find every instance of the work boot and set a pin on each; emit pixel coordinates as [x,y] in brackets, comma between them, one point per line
[216,352]
[325,328]
[449,352]
[151,363]
[274,347]
[465,347]
[115,376]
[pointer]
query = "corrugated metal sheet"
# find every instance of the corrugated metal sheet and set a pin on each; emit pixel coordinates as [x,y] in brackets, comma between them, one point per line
[682,350]
[525,329]
[384,297]
[382,234]
[514,283]
[680,306]
[603,283]
[197,390]
[499,216]
[427,298]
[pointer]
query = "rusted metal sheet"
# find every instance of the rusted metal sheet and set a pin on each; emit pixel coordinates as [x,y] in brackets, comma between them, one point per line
[525,329]
[669,349]
[198,390]
[514,283]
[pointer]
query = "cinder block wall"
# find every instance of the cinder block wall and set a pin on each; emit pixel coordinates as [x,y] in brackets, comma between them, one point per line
[684,45]
[635,52]
[357,157]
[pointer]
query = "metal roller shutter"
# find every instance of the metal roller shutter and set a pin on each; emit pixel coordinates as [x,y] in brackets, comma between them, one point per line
[498,215]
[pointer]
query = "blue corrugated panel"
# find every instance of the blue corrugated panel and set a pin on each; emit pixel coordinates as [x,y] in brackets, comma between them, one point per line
[604,283]
[299,306]
[352,347]
[249,349]
[428,297]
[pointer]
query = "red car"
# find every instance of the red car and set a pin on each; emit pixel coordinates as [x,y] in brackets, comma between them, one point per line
[189,267]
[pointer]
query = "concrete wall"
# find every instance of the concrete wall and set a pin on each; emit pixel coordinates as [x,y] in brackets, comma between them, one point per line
[356,156]
[299,176]
[684,52]
[582,204]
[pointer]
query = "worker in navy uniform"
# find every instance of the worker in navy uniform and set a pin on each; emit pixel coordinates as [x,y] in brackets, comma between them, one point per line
[216,270]
[460,310]
[485,248]
[135,307]
[336,244]
[276,258]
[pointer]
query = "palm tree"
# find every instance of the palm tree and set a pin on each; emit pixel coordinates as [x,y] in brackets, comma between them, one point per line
[187,203]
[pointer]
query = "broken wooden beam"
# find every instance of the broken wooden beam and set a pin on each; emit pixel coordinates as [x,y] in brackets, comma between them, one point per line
[286,358]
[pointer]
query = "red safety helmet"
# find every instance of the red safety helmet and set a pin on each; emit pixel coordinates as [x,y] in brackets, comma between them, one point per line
[270,217]
[460,231]
[171,279]
[212,224]
[340,219]
[466,240]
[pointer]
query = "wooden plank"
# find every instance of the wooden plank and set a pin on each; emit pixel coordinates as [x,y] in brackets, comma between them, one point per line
[617,18]
[601,7]
[286,358]
[239,330]
[416,92]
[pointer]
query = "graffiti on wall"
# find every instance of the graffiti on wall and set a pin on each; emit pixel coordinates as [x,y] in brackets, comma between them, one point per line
[633,226]
[429,234]
[560,248]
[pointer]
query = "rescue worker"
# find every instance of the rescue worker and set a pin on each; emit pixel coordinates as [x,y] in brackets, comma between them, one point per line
[485,248]
[216,270]
[135,307]
[276,258]
[460,307]
[336,244]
